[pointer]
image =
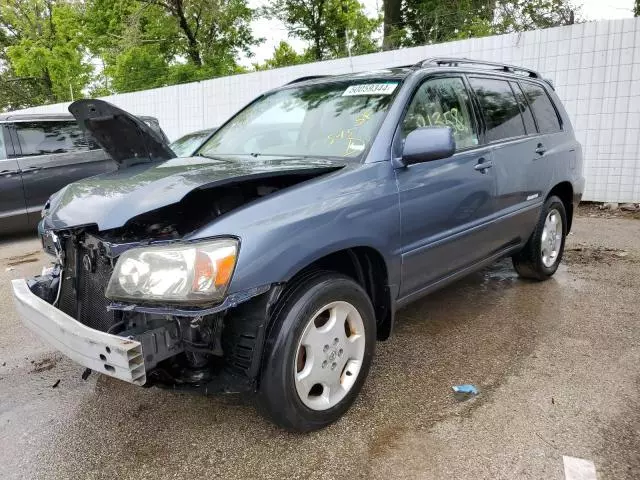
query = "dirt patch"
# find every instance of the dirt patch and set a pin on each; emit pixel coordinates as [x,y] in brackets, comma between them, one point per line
[43,365]
[588,209]
[20,259]
[585,254]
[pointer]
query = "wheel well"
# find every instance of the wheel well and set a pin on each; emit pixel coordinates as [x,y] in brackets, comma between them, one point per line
[564,191]
[368,268]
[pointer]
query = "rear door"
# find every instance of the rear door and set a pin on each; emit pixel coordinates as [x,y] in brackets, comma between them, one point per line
[13,212]
[550,146]
[52,154]
[511,135]
[444,204]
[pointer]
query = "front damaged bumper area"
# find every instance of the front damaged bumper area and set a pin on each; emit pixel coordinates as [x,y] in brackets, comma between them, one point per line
[102,352]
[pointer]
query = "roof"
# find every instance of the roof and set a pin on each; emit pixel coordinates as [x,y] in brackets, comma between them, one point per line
[21,117]
[435,64]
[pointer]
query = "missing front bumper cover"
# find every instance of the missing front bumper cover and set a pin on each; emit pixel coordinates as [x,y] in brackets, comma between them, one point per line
[102,352]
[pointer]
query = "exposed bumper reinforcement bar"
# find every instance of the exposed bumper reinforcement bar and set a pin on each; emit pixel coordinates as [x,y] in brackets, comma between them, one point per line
[102,352]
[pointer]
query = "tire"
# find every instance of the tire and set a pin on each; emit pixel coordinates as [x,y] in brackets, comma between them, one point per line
[531,262]
[300,350]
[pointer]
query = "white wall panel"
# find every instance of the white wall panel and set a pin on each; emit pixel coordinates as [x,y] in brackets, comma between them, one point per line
[595,67]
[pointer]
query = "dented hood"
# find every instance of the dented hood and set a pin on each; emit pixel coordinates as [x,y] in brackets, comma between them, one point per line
[126,138]
[111,199]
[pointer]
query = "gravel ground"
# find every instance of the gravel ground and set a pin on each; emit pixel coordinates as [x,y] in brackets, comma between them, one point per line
[556,363]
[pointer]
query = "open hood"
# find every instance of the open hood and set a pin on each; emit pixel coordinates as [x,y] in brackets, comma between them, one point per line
[126,138]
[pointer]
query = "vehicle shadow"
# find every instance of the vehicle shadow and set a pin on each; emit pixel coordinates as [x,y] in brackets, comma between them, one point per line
[478,331]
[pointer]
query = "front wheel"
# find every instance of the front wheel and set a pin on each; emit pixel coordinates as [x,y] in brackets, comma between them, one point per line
[540,257]
[318,353]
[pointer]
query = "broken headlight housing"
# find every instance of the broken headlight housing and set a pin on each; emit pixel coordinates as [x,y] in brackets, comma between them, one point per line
[176,273]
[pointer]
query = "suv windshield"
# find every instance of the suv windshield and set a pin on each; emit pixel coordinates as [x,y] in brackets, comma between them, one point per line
[330,119]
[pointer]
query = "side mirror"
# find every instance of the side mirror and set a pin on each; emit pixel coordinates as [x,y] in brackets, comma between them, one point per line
[428,143]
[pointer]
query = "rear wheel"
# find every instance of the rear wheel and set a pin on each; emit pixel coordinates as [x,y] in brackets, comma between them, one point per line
[318,353]
[540,257]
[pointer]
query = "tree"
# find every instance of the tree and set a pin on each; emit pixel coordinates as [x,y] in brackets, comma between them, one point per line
[435,21]
[212,32]
[283,56]
[636,9]
[151,43]
[135,42]
[43,56]
[331,27]
[522,15]
[393,24]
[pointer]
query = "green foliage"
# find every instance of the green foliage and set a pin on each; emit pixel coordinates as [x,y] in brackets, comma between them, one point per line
[152,43]
[51,49]
[331,27]
[435,21]
[283,56]
[43,53]
[636,8]
[418,22]
[522,15]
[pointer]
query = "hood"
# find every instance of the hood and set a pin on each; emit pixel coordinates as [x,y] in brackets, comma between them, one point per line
[110,200]
[126,138]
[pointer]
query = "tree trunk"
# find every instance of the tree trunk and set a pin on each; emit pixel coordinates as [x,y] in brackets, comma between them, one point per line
[192,42]
[392,23]
[341,33]
[47,85]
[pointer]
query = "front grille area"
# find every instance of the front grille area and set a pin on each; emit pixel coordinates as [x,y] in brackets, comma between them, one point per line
[82,291]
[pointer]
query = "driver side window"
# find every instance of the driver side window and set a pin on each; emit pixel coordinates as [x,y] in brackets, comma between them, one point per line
[443,102]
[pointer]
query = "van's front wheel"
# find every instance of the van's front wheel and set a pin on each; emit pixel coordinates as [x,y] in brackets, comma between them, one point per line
[540,257]
[318,353]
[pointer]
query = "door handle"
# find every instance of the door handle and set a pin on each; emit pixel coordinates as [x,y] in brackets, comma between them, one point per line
[540,149]
[31,169]
[8,172]
[482,166]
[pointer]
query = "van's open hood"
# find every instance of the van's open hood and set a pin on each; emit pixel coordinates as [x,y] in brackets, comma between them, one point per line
[127,139]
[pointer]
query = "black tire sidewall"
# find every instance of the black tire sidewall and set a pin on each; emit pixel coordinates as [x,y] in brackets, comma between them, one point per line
[552,203]
[277,394]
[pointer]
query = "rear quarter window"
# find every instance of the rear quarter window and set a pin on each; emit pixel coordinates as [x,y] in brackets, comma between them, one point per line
[3,149]
[499,108]
[542,107]
[45,138]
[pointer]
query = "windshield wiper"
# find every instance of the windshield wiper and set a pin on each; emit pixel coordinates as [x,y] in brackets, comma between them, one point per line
[282,155]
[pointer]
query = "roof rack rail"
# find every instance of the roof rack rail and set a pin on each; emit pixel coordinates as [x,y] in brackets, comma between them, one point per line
[454,62]
[304,79]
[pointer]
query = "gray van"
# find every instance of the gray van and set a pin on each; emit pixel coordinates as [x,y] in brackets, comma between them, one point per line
[271,262]
[40,154]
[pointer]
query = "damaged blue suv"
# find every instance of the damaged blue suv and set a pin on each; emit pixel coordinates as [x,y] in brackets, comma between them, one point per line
[273,260]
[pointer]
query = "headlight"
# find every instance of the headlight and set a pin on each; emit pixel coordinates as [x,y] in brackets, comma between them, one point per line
[197,272]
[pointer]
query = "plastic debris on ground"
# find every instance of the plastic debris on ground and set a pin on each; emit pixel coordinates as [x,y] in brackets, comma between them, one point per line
[464,392]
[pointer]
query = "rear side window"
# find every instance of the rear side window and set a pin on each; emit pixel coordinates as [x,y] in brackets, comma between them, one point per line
[44,138]
[543,109]
[499,108]
[525,110]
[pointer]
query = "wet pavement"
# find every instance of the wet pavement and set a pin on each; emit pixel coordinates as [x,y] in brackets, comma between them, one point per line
[556,364]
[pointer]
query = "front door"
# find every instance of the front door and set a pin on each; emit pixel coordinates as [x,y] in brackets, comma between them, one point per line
[445,204]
